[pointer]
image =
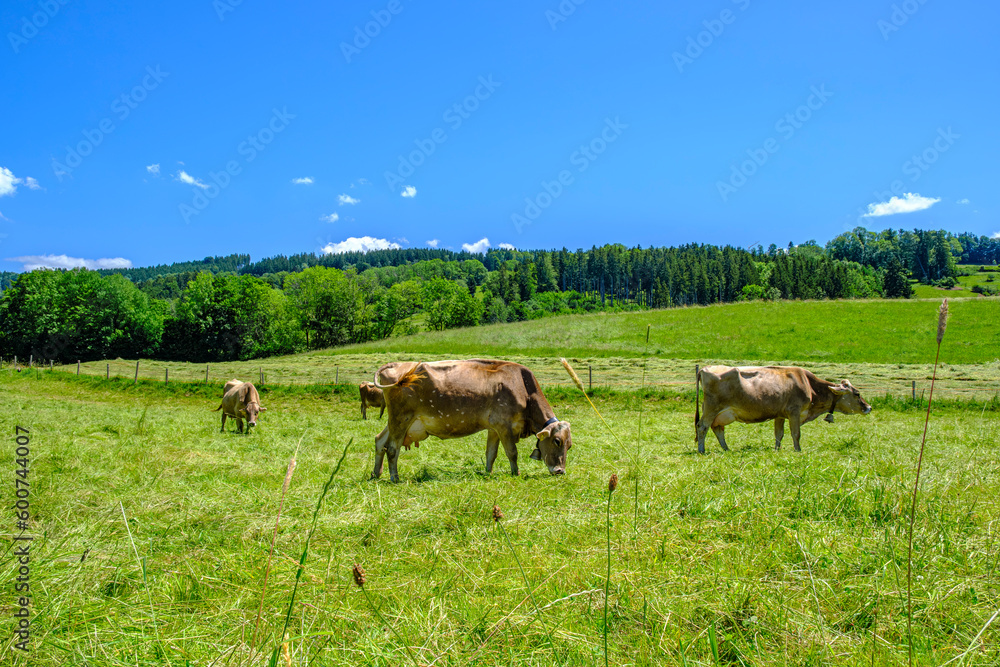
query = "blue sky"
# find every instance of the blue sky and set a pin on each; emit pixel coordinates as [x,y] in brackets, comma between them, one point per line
[159,132]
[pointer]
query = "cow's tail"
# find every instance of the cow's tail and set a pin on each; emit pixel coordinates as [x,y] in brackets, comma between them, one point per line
[218,408]
[697,402]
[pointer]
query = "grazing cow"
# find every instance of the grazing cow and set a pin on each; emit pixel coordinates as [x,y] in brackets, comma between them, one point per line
[371,395]
[453,399]
[240,401]
[753,394]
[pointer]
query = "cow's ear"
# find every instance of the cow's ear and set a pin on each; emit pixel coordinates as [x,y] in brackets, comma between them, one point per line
[842,389]
[262,408]
[537,454]
[544,433]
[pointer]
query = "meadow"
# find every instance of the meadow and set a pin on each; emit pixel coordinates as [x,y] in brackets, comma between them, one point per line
[154,529]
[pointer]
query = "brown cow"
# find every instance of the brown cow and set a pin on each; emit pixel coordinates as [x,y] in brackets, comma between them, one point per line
[453,399]
[753,394]
[371,395]
[240,401]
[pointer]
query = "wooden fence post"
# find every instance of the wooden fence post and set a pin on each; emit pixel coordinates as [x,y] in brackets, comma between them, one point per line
[136,381]
[166,375]
[31,360]
[15,361]
[336,375]
[913,390]
[50,365]
[77,366]
[590,377]
[261,370]
[206,373]
[107,372]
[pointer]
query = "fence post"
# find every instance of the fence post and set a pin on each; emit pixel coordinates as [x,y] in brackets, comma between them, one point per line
[166,375]
[31,361]
[15,362]
[136,381]
[590,377]
[336,375]
[206,373]
[77,366]
[261,371]
[107,372]
[913,390]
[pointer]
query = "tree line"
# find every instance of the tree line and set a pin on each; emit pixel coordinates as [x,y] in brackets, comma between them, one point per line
[227,308]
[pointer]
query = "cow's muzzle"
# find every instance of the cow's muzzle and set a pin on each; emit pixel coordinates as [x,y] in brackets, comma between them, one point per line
[557,471]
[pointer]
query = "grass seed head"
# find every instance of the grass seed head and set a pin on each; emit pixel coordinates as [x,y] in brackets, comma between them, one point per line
[497,514]
[613,483]
[942,320]
[359,575]
[572,374]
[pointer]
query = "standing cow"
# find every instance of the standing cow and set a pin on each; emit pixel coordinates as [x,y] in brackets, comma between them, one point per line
[240,401]
[752,394]
[371,395]
[453,399]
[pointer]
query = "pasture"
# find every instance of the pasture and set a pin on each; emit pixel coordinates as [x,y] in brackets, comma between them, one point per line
[154,531]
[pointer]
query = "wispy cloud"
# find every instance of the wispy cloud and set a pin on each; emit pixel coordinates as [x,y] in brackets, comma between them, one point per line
[362,244]
[409,191]
[185,177]
[963,201]
[433,243]
[480,246]
[996,235]
[4,217]
[305,180]
[333,217]
[154,169]
[32,262]
[506,246]
[364,181]
[348,199]
[908,203]
[9,182]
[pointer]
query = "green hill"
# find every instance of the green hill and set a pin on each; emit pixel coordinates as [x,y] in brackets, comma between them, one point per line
[875,331]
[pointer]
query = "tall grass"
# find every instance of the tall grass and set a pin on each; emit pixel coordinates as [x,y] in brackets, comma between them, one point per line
[942,325]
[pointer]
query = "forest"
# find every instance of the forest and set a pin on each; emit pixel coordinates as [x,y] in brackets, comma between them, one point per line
[229,308]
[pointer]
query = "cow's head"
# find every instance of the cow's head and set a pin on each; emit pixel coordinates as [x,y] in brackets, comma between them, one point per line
[848,399]
[554,442]
[250,412]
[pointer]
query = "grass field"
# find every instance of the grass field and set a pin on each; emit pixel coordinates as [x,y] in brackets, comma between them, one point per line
[964,287]
[784,558]
[153,529]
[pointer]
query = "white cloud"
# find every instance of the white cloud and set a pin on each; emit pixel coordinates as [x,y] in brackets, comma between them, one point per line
[363,244]
[3,217]
[32,262]
[480,246]
[348,199]
[333,217]
[154,169]
[433,243]
[364,181]
[306,180]
[506,246]
[409,191]
[8,182]
[964,201]
[185,177]
[996,236]
[908,203]
[32,183]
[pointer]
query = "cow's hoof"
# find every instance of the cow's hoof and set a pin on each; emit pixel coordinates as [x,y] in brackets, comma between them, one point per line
[394,480]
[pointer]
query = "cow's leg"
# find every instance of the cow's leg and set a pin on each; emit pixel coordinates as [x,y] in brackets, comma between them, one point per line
[380,441]
[492,449]
[510,448]
[381,412]
[795,421]
[720,435]
[779,432]
[239,424]
[364,410]
[223,429]
[393,453]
